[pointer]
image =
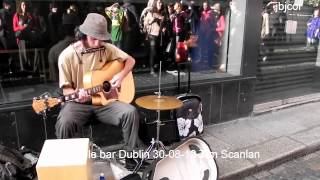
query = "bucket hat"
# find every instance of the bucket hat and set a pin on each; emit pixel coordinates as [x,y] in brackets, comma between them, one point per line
[95,25]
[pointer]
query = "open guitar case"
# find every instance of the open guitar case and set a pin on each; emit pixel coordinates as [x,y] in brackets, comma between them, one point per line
[189,159]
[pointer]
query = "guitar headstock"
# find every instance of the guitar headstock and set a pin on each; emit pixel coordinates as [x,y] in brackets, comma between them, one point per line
[40,105]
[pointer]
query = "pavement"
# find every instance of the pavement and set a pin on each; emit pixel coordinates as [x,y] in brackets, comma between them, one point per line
[259,142]
[306,168]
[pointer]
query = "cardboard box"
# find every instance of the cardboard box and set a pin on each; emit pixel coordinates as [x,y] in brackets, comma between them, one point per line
[64,159]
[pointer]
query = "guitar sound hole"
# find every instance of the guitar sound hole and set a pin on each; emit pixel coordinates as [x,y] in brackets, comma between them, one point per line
[106,86]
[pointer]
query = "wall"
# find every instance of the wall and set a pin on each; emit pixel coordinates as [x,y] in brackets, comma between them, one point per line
[222,101]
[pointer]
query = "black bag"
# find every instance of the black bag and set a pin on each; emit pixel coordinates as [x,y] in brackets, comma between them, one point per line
[14,165]
[18,34]
[189,116]
[7,171]
[23,35]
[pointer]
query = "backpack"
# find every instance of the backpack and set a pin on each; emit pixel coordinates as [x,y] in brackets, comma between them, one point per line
[189,116]
[16,165]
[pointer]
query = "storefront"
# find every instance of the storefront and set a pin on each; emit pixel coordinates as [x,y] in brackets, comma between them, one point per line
[226,94]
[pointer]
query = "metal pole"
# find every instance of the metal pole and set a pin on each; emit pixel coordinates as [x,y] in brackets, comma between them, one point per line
[159,92]
[158,126]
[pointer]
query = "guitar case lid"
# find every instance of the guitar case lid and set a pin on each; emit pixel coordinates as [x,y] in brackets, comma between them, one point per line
[190,159]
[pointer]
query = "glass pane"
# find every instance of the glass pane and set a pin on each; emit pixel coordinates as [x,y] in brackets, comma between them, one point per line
[289,49]
[30,49]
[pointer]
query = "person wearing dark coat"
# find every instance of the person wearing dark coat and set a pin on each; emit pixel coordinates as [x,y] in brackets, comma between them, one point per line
[54,22]
[6,32]
[7,38]
[131,39]
[68,25]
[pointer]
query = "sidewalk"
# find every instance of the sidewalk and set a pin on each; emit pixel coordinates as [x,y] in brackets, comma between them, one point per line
[273,138]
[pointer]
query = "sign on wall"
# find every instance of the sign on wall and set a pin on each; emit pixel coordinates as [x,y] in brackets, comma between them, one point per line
[291,27]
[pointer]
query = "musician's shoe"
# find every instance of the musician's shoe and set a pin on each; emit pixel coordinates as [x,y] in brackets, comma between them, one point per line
[131,163]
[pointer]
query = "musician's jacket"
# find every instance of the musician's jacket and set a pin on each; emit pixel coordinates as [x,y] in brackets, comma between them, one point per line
[74,64]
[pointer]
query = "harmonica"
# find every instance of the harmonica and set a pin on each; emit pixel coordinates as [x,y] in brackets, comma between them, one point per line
[91,50]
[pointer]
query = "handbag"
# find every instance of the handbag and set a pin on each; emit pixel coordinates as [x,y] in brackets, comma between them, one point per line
[181,52]
[18,34]
[25,34]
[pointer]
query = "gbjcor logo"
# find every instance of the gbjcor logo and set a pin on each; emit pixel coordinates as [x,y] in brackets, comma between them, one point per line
[285,7]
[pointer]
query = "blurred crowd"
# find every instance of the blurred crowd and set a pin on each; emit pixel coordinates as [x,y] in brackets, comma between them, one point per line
[160,28]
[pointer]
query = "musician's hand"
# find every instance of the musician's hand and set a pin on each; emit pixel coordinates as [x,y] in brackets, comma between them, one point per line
[83,96]
[116,80]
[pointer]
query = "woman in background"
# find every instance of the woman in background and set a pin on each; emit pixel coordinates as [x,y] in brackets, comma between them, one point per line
[313,27]
[208,25]
[22,26]
[154,25]
[218,34]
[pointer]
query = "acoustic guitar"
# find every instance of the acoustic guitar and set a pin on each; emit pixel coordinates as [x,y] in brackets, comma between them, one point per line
[96,84]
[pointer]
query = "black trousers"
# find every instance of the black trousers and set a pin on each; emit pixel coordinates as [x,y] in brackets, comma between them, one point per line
[74,115]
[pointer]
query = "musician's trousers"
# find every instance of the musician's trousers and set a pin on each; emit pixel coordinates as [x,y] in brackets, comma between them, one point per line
[74,115]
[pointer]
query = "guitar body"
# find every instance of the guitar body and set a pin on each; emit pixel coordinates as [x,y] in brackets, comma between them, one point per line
[91,82]
[95,78]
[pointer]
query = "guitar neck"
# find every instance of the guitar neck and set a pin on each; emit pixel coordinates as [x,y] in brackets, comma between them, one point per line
[75,95]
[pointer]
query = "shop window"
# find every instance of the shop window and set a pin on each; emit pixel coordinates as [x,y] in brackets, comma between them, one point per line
[214,40]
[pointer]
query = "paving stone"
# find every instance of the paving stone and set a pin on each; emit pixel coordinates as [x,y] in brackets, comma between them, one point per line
[276,127]
[314,163]
[289,173]
[217,145]
[275,149]
[238,134]
[205,134]
[297,169]
[249,178]
[313,107]
[262,174]
[310,178]
[277,170]
[308,120]
[273,177]
[309,137]
[304,115]
[310,156]
[227,166]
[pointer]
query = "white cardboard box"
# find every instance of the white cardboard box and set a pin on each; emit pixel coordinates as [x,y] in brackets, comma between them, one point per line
[64,159]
